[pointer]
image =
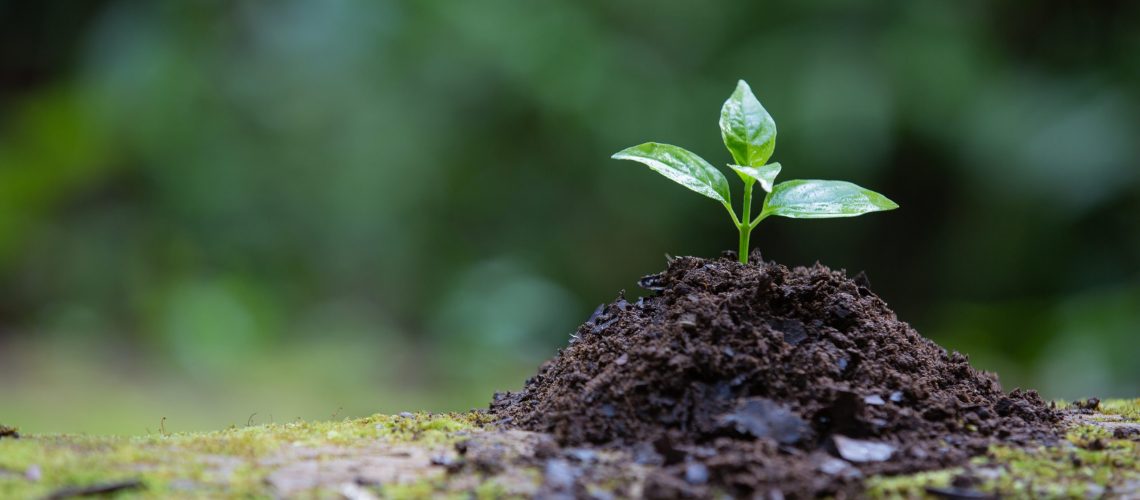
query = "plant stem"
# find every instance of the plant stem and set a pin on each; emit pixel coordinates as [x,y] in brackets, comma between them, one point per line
[745,227]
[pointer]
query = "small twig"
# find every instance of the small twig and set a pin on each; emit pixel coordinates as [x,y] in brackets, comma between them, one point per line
[248,421]
[162,427]
[95,489]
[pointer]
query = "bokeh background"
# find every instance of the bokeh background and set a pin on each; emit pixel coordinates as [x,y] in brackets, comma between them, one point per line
[221,213]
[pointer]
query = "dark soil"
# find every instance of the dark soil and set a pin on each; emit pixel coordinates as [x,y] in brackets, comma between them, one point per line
[760,379]
[8,432]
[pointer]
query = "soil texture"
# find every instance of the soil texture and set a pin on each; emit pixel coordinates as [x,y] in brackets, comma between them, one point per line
[757,379]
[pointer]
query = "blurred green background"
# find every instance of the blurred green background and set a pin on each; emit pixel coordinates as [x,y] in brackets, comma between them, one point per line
[226,212]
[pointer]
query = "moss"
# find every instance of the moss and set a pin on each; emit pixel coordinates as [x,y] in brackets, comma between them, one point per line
[909,486]
[220,463]
[1086,436]
[1065,471]
[490,490]
[1129,409]
[1126,409]
[428,429]
[1089,463]
[412,491]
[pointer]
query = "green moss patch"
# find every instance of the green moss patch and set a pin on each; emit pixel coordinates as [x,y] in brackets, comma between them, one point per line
[1128,409]
[1094,460]
[232,462]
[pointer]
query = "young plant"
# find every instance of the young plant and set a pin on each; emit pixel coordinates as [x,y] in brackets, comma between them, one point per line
[749,133]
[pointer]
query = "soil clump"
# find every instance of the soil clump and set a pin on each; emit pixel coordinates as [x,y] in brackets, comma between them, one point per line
[760,379]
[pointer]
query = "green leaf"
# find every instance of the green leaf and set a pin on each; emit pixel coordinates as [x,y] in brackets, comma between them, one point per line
[681,166]
[748,130]
[812,199]
[766,175]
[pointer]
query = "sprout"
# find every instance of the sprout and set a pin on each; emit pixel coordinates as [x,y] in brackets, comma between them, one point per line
[749,133]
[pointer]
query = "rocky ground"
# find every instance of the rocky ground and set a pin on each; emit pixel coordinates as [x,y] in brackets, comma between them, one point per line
[465,455]
[729,381]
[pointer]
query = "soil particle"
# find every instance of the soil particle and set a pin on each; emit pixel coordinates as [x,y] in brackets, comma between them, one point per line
[1091,404]
[757,379]
[857,450]
[8,432]
[764,418]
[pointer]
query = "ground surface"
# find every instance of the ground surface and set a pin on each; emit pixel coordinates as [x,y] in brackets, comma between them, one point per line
[739,380]
[464,455]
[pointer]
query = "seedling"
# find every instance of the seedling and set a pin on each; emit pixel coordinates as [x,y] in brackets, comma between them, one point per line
[749,133]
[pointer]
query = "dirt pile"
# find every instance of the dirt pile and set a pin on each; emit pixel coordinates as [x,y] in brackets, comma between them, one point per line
[759,378]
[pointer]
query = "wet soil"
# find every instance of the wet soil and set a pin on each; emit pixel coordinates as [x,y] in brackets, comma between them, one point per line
[760,379]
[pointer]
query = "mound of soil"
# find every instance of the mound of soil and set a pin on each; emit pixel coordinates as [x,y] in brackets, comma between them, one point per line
[758,378]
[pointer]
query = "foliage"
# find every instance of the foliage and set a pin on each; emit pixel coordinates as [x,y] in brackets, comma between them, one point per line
[189,188]
[749,133]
